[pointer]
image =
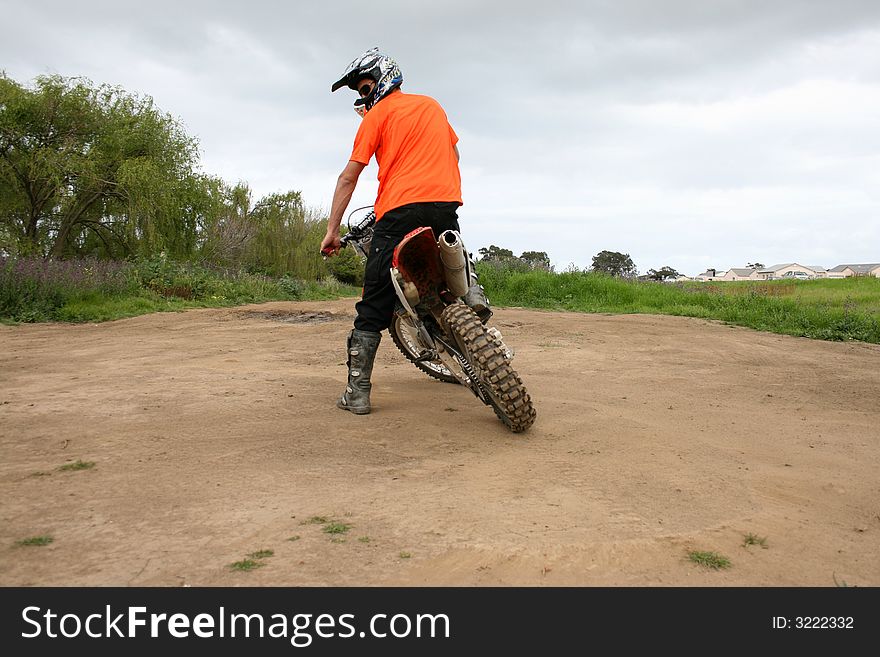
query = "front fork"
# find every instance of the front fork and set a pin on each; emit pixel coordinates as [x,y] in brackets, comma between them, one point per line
[408,298]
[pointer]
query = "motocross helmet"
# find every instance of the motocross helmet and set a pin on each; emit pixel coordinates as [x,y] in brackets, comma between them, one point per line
[372,64]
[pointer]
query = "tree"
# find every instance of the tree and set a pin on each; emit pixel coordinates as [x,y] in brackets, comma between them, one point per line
[528,260]
[662,274]
[614,264]
[42,136]
[281,233]
[225,228]
[755,265]
[285,239]
[496,254]
[536,260]
[90,169]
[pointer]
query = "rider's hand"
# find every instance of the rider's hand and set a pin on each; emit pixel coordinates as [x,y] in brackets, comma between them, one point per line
[331,244]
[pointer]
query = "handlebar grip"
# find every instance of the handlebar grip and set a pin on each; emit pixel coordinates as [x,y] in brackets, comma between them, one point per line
[343,241]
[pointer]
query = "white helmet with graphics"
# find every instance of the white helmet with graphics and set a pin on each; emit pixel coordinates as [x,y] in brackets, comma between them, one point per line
[372,64]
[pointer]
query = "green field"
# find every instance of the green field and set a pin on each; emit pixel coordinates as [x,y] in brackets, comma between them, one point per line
[838,309]
[91,290]
[33,290]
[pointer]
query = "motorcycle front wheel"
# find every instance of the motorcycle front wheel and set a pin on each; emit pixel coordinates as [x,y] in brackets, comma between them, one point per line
[503,387]
[406,337]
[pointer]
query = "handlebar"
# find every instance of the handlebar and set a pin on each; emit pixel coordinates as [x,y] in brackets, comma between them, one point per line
[343,241]
[359,233]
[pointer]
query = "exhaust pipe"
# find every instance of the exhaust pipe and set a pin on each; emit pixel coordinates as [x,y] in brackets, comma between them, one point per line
[454,259]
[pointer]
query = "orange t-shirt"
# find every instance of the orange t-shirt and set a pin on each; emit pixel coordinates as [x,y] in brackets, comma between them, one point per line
[414,147]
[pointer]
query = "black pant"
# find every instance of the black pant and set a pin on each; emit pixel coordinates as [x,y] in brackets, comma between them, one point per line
[376,307]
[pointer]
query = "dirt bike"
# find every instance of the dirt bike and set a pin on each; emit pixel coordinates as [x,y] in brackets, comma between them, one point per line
[436,330]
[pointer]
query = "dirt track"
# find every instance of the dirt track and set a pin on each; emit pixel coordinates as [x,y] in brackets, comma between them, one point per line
[214,435]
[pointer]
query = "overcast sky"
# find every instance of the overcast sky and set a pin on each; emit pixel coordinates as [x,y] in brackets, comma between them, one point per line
[686,133]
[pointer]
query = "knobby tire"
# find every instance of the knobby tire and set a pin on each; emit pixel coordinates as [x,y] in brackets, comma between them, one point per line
[505,389]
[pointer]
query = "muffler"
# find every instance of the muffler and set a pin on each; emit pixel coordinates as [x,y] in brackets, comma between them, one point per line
[454,259]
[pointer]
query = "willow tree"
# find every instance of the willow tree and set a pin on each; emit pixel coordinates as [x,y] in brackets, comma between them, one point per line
[94,169]
[225,230]
[44,136]
[287,241]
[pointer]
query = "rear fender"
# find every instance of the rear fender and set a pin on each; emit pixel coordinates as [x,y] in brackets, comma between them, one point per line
[417,258]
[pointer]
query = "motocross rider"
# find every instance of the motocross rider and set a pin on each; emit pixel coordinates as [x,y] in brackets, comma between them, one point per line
[419,185]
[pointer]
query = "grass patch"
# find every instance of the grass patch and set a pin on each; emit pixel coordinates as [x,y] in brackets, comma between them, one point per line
[261,554]
[405,555]
[336,528]
[77,465]
[753,539]
[294,538]
[316,520]
[364,539]
[253,560]
[838,309]
[246,564]
[35,541]
[711,560]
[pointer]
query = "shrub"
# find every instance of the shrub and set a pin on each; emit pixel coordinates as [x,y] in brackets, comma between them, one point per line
[34,289]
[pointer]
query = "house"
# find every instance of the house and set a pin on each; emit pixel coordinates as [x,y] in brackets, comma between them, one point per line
[708,275]
[841,271]
[740,275]
[789,270]
[845,271]
[778,271]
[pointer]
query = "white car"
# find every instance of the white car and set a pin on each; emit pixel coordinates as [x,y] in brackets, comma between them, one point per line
[797,275]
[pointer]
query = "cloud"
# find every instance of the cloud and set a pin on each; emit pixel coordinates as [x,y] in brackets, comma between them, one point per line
[686,134]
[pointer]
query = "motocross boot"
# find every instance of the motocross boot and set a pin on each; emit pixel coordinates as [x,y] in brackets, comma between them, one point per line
[362,346]
[476,297]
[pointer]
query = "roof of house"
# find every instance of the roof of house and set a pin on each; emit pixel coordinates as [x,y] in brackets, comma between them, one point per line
[742,272]
[775,268]
[859,269]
